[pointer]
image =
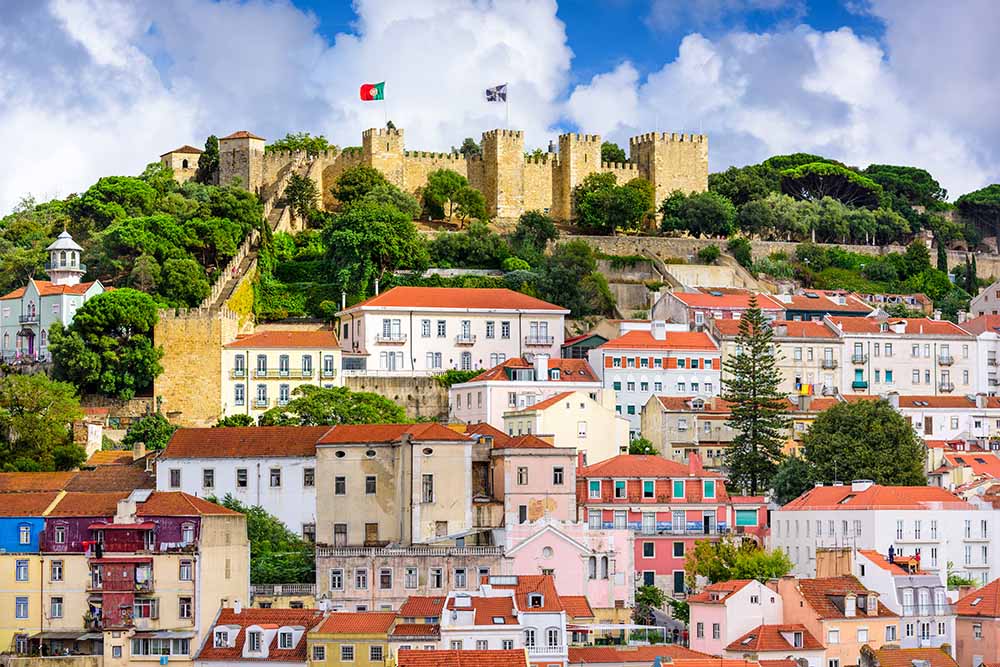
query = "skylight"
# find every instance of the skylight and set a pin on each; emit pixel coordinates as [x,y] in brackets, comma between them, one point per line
[499,620]
[975,602]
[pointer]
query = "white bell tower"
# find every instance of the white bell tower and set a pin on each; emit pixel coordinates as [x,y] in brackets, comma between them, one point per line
[64,267]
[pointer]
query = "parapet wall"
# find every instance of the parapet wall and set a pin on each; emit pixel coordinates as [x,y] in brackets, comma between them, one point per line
[420,396]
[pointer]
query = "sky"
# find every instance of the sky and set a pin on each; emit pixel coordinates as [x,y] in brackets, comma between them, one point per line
[90,88]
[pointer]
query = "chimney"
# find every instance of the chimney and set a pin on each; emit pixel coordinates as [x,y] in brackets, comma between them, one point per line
[343,300]
[694,464]
[138,451]
[659,329]
[376,287]
[899,327]
[541,366]
[962,316]
[859,485]
[805,402]
[893,398]
[237,607]
[936,315]
[965,590]
[581,459]
[781,330]
[125,511]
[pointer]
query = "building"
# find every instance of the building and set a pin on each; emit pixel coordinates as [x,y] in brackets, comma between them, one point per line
[987,302]
[725,611]
[960,417]
[183,161]
[907,355]
[273,467]
[518,383]
[695,309]
[242,161]
[28,313]
[779,642]
[986,329]
[573,419]
[426,330]
[641,364]
[890,656]
[841,613]
[862,515]
[418,625]
[814,305]
[245,636]
[635,656]
[579,347]
[918,302]
[356,638]
[534,479]
[263,369]
[667,505]
[808,353]
[977,626]
[464,658]
[679,426]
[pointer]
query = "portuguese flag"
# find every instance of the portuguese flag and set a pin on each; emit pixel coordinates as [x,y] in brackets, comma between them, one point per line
[372,91]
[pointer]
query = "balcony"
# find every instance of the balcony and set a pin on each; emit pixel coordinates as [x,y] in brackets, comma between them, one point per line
[237,373]
[546,650]
[994,382]
[828,364]
[992,361]
[539,340]
[49,266]
[859,384]
[947,386]
[28,319]
[329,372]
[465,339]
[274,373]
[928,610]
[946,359]
[391,339]
[282,589]
[261,403]
[859,358]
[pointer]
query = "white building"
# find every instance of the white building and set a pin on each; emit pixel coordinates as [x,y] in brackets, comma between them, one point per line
[641,364]
[270,466]
[986,329]
[987,302]
[426,330]
[28,313]
[262,370]
[930,520]
[519,383]
[964,417]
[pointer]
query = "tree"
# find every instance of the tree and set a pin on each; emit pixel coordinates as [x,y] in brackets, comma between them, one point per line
[300,141]
[470,148]
[478,247]
[973,288]
[145,273]
[917,258]
[108,349]
[982,208]
[316,406]
[184,282]
[816,180]
[642,446]
[756,218]
[741,251]
[301,194]
[700,214]
[454,376]
[36,414]
[470,203]
[160,177]
[730,559]
[356,182]
[441,188]
[910,186]
[793,477]
[208,162]
[277,555]
[531,236]
[153,430]
[111,198]
[942,258]
[758,408]
[647,599]
[781,162]
[612,152]
[865,440]
[709,254]
[395,197]
[569,278]
[590,201]
[235,420]
[741,185]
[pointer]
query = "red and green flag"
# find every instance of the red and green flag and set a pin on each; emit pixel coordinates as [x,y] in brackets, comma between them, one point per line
[372,91]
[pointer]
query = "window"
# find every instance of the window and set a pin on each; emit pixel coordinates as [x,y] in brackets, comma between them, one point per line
[425,328]
[678,550]
[24,534]
[507,644]
[241,478]
[185,570]
[436,577]
[862,635]
[370,485]
[208,478]
[175,478]
[833,636]
[455,645]
[347,653]
[557,475]
[890,633]
[145,608]
[56,607]
[522,475]
[319,652]
[648,488]
[505,329]
[361,578]
[442,329]
[340,486]
[21,570]
[648,550]
[337,579]
[460,578]
[620,488]
[410,577]
[375,653]
[552,638]
[283,394]
[716,631]
[678,488]
[275,477]
[428,488]
[56,570]
[21,607]
[490,329]
[309,477]
[709,488]
[184,607]
[466,361]
[699,630]
[977,629]
[160,647]
[385,578]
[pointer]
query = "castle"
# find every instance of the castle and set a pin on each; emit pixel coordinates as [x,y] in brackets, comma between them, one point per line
[510,181]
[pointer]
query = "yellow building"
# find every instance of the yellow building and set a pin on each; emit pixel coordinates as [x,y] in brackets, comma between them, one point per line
[357,639]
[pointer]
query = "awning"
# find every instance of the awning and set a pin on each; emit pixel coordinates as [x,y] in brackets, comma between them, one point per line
[145,525]
[57,634]
[165,634]
[89,636]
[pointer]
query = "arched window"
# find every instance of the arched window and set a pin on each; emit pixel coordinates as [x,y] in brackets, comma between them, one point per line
[604,567]
[184,164]
[45,337]
[592,567]
[6,341]
[529,637]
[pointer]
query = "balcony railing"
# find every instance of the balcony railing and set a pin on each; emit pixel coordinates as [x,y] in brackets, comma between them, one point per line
[946,359]
[58,266]
[283,589]
[274,373]
[261,402]
[546,650]
[829,363]
[28,319]
[329,372]
[392,339]
[859,384]
[411,551]
[465,339]
[859,358]
[539,340]
[714,530]
[947,386]
[928,609]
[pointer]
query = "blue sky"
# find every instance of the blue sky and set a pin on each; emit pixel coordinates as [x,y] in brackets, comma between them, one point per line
[97,87]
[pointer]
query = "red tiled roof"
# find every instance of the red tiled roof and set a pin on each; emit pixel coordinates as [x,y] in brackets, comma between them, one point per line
[357,623]
[882,562]
[500,439]
[526,442]
[106,457]
[570,370]
[421,606]
[577,606]
[277,618]
[673,340]
[464,298]
[548,402]
[463,658]
[730,300]
[784,662]
[914,326]
[982,324]
[576,339]
[383,433]
[16,482]
[637,465]
[582,655]
[877,497]
[793,329]
[184,149]
[416,630]
[825,302]
[488,608]
[988,604]
[244,442]
[770,638]
[46,288]
[818,593]
[113,478]
[683,404]
[981,463]
[26,503]
[534,583]
[936,402]
[242,134]
[178,503]
[907,657]
[322,339]
[747,500]
[88,504]
[726,588]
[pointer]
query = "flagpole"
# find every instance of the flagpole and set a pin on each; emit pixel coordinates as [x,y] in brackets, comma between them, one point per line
[506,103]
[385,110]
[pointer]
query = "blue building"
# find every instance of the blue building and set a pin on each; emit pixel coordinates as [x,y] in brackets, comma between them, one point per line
[21,520]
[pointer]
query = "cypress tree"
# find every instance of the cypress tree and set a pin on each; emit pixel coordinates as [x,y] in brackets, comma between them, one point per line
[973,288]
[758,408]
[968,272]
[942,258]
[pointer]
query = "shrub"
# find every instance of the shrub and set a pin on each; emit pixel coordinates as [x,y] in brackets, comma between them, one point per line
[709,254]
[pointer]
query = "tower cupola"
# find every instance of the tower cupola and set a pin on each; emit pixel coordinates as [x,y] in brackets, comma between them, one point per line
[64,267]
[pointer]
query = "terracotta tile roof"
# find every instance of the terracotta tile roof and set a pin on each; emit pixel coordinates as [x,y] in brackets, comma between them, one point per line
[416,630]
[981,463]
[46,288]
[825,302]
[323,339]
[184,149]
[88,504]
[937,402]
[982,324]
[422,606]
[106,457]
[683,404]
[487,609]
[26,503]
[877,497]
[384,433]
[583,655]
[896,567]
[303,618]
[464,658]
[242,134]
[637,465]
[577,606]
[534,583]
[464,298]
[178,503]
[548,402]
[730,300]
[913,326]
[984,601]
[107,478]
[747,500]
[16,482]
[243,442]
[821,593]
[526,442]
[793,329]
[500,439]
[357,623]
[570,370]
[770,638]
[784,662]
[673,340]
[718,593]
[906,657]
[816,404]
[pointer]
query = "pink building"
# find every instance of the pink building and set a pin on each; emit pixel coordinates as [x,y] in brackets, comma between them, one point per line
[535,479]
[696,308]
[668,505]
[977,626]
[723,612]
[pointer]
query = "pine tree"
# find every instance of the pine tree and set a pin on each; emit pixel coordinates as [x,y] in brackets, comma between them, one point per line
[942,258]
[758,408]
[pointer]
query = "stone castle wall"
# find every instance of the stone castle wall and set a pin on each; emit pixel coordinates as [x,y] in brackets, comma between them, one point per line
[420,396]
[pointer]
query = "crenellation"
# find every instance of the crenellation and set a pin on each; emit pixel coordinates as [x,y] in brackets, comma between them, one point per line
[381,132]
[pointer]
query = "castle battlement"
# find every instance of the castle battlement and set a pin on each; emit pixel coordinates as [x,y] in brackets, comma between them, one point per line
[582,138]
[513,134]
[381,132]
[432,156]
[632,166]
[196,314]
[666,136]
[544,158]
[283,156]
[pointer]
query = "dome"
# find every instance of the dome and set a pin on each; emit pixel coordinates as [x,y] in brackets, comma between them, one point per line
[64,242]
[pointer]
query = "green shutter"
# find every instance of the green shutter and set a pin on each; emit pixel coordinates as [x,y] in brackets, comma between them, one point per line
[746,517]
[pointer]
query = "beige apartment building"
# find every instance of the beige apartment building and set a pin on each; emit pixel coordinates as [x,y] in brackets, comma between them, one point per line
[679,426]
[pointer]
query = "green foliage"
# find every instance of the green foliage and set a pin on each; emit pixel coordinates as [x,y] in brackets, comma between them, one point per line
[612,152]
[277,555]
[531,236]
[36,414]
[235,420]
[709,254]
[642,446]
[183,282]
[356,182]
[792,478]
[956,580]
[108,349]
[160,177]
[647,598]
[24,235]
[942,258]
[604,207]
[781,162]
[300,141]
[740,249]
[154,430]
[208,162]
[751,379]
[316,406]
[982,208]
[680,610]
[469,203]
[388,193]
[478,247]
[515,264]
[300,196]
[865,440]
[729,559]
[469,148]
[440,191]
[745,184]
[699,214]
[917,258]
[570,279]
[816,180]
[455,376]
[909,186]
[111,198]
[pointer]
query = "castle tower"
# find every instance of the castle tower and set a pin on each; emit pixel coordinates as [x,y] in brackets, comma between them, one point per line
[503,172]
[671,161]
[241,155]
[64,267]
[382,149]
[579,156]
[183,161]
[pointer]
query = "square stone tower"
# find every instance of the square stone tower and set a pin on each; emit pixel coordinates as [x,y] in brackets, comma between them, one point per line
[579,156]
[503,167]
[241,155]
[382,148]
[671,161]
